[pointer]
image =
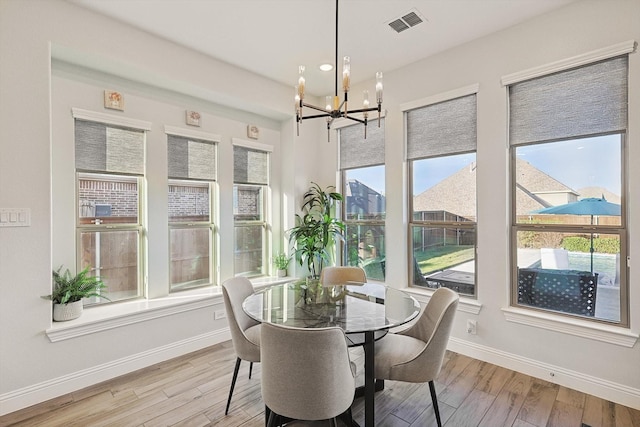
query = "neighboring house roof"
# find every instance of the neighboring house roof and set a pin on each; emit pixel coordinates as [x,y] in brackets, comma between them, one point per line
[599,192]
[457,193]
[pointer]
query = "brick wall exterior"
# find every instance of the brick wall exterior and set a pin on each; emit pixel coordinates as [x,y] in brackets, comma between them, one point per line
[186,200]
[121,196]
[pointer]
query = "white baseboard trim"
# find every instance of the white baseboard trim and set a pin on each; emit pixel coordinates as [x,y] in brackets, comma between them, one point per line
[598,387]
[37,393]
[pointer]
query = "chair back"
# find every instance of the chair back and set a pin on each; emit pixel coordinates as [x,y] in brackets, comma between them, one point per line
[234,291]
[330,276]
[306,373]
[434,328]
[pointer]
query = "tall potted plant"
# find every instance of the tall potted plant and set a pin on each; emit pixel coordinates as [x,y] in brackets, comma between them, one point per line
[317,229]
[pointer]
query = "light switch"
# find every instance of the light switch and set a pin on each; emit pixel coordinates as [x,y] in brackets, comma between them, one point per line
[15,217]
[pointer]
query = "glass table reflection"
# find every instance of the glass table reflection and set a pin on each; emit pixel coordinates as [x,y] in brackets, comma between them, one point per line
[365,311]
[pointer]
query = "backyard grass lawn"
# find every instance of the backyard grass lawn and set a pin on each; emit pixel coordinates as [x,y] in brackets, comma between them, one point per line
[442,257]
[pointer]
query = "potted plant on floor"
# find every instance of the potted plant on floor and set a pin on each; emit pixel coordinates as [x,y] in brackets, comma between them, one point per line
[317,229]
[281,262]
[69,290]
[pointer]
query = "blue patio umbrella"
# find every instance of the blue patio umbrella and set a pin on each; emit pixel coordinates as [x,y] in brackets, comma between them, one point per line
[593,206]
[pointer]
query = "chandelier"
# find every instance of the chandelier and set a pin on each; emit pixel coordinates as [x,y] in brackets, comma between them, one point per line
[334,108]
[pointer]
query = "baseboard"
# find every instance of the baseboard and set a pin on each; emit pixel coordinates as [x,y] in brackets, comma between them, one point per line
[598,387]
[37,393]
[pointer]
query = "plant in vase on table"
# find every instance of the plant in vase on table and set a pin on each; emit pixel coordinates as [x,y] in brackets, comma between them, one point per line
[317,230]
[69,290]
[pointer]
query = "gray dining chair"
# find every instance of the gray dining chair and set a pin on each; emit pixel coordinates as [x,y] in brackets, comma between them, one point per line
[245,332]
[415,354]
[306,373]
[340,275]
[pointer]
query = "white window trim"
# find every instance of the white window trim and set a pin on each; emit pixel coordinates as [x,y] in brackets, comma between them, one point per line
[441,97]
[573,62]
[251,145]
[191,133]
[566,325]
[110,119]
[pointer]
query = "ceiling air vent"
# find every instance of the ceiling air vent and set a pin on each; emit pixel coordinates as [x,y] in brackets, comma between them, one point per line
[407,21]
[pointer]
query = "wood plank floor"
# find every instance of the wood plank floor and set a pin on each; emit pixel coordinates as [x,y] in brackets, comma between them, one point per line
[192,390]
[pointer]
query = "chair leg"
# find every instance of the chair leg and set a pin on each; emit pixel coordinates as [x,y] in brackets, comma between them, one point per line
[434,399]
[250,369]
[271,418]
[233,384]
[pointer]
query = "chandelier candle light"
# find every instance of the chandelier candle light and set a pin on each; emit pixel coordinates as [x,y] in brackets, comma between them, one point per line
[333,108]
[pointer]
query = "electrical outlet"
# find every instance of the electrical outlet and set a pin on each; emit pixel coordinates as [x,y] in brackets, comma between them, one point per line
[472,326]
[219,314]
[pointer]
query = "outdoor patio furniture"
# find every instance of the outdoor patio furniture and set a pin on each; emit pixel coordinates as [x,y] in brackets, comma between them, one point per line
[568,291]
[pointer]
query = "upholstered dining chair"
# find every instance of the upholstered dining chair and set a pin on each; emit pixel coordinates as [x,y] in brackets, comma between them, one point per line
[342,274]
[415,354]
[306,373]
[245,332]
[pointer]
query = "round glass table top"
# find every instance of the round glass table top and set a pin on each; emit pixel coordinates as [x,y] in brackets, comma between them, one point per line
[355,307]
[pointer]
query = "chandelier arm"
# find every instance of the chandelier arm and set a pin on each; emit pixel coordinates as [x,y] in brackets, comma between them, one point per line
[315,116]
[313,107]
[363,110]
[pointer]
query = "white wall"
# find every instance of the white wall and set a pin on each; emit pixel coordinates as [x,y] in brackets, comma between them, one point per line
[31,366]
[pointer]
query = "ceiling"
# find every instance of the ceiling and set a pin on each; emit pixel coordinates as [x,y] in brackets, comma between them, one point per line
[273,37]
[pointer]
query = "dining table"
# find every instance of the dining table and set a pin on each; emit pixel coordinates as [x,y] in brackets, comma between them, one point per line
[365,311]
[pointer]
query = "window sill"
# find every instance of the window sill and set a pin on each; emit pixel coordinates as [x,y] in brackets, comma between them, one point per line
[110,316]
[580,328]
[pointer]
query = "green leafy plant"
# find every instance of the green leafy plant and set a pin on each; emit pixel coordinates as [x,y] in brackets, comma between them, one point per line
[68,288]
[317,229]
[281,261]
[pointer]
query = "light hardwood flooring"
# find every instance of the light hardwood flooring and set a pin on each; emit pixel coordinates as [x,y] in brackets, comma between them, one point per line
[192,391]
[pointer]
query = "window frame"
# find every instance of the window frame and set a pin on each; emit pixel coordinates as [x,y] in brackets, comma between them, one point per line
[209,224]
[265,195]
[368,223]
[621,230]
[471,90]
[374,142]
[515,312]
[139,226]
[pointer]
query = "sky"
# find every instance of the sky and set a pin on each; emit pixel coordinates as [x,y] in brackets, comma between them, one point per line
[588,162]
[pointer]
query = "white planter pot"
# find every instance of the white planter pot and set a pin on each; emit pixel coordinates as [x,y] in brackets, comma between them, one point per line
[281,273]
[64,312]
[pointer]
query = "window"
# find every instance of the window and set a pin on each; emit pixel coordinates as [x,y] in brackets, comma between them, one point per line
[109,163]
[569,236]
[192,176]
[363,188]
[250,207]
[441,144]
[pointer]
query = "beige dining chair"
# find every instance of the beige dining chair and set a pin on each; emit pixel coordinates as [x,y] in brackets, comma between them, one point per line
[415,354]
[245,332]
[330,276]
[306,373]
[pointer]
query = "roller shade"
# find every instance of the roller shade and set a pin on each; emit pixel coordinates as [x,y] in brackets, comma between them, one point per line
[444,128]
[191,158]
[106,148]
[250,166]
[583,101]
[358,152]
